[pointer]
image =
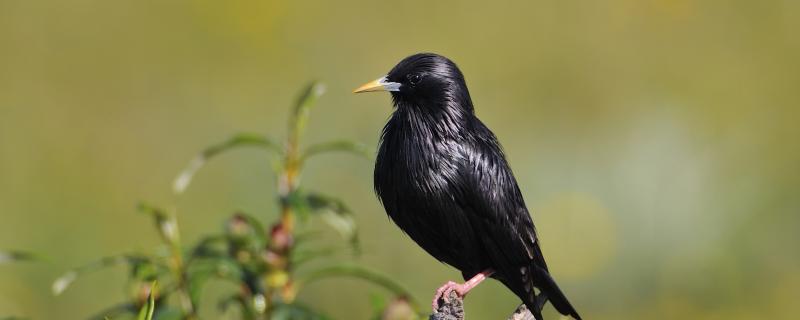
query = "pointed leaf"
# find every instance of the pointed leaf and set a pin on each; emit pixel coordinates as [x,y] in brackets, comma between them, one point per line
[240,140]
[201,270]
[334,212]
[298,201]
[13,255]
[243,225]
[305,102]
[167,226]
[146,312]
[65,280]
[337,146]
[209,247]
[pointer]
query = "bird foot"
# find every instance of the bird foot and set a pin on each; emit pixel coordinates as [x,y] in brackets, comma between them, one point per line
[461,289]
[443,293]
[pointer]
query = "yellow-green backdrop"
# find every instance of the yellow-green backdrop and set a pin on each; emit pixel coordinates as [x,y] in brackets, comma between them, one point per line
[656,141]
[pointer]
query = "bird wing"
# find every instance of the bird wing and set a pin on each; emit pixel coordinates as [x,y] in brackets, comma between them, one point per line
[494,204]
[493,196]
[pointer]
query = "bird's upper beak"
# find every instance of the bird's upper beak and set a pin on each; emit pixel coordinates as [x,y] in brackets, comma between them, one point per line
[381,84]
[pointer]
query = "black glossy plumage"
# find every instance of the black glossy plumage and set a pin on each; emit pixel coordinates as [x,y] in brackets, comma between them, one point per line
[443,179]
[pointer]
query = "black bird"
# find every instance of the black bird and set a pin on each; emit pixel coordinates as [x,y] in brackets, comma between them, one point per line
[443,179]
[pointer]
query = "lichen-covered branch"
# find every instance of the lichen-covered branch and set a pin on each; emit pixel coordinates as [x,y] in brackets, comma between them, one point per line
[522,313]
[453,309]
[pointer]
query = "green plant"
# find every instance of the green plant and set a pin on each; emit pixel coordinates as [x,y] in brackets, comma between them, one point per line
[148,309]
[9,256]
[269,265]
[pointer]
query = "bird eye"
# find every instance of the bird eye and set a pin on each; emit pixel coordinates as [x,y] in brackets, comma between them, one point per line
[413,79]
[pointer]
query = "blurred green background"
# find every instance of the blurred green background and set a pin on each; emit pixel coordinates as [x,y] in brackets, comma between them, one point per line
[656,141]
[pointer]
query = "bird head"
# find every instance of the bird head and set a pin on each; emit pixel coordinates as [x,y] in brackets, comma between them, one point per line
[424,80]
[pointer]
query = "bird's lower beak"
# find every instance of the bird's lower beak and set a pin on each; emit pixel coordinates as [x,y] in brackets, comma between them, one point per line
[381,84]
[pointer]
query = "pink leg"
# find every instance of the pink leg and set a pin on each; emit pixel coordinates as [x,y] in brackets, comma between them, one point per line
[461,289]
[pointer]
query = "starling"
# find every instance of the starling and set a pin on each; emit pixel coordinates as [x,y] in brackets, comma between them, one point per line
[443,179]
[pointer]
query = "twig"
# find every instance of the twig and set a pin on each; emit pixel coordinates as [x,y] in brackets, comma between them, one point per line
[454,310]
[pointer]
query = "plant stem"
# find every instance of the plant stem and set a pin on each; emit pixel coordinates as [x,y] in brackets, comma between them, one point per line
[282,233]
[179,269]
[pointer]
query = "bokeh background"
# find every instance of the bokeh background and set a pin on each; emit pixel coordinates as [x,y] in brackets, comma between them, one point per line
[656,141]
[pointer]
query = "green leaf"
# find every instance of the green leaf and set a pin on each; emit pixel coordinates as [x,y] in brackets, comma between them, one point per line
[302,108]
[337,146]
[183,180]
[201,270]
[355,271]
[209,247]
[65,280]
[210,240]
[14,255]
[226,269]
[146,313]
[333,211]
[243,225]
[297,201]
[167,226]
[336,214]
[146,271]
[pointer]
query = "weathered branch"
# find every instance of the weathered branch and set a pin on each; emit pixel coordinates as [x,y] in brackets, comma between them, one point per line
[522,313]
[454,310]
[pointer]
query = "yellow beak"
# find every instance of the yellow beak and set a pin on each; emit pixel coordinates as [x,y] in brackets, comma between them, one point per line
[381,84]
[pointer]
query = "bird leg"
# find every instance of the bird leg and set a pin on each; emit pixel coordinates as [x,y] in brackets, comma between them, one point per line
[461,289]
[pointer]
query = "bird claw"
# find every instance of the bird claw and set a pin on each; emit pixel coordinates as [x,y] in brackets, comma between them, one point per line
[443,293]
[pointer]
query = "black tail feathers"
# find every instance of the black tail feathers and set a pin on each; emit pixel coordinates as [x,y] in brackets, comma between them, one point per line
[550,291]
